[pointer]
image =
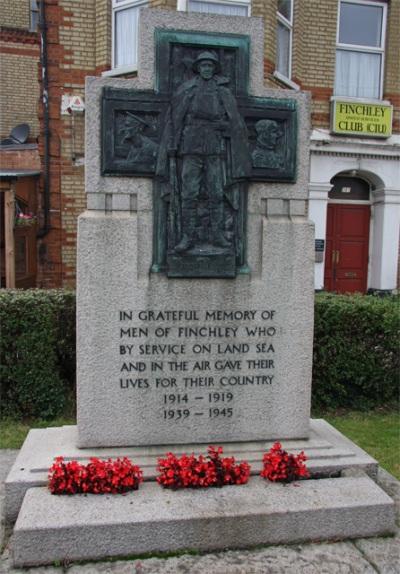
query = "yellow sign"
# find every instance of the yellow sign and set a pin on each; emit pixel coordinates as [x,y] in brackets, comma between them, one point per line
[362,119]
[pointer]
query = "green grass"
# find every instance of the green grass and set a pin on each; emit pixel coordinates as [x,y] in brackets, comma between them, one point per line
[13,433]
[375,432]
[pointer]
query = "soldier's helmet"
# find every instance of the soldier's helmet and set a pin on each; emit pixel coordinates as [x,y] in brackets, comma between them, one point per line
[207,56]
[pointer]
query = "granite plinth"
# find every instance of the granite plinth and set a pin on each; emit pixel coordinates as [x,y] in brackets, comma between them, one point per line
[51,528]
[239,369]
[328,452]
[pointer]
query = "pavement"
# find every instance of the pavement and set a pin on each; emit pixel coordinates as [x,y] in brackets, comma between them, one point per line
[366,556]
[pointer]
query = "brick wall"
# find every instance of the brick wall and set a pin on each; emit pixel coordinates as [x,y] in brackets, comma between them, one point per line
[20,158]
[314,44]
[103,35]
[78,34]
[78,46]
[15,14]
[19,86]
[19,92]
[72,55]
[79,41]
[266,9]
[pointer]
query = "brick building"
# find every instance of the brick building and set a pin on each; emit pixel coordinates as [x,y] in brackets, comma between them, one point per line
[345,52]
[19,162]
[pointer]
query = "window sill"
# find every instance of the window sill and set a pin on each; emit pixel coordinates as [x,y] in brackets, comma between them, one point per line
[121,71]
[286,81]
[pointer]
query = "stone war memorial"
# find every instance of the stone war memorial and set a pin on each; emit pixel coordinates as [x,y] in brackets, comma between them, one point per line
[194,312]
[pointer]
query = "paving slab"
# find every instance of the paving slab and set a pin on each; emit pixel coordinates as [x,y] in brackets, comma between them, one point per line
[336,558]
[392,487]
[319,558]
[383,553]
[6,566]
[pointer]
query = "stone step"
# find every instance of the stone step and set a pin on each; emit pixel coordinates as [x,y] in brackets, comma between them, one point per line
[82,527]
[328,452]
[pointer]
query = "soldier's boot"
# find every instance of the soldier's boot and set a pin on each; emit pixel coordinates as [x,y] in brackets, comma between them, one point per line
[189,228]
[217,237]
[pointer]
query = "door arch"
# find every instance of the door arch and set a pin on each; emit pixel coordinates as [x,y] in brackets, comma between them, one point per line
[347,235]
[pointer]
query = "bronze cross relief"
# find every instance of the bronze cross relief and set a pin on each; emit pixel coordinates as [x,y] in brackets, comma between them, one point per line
[203,139]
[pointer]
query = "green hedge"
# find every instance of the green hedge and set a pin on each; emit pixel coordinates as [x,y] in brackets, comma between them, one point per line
[356,358]
[356,351]
[37,352]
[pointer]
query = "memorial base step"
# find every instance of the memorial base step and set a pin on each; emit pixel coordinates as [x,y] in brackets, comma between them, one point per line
[68,528]
[328,452]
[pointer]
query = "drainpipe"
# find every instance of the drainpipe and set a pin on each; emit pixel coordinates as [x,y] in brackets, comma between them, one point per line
[45,99]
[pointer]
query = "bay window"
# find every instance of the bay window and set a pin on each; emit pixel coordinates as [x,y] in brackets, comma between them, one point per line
[360,49]
[125,32]
[284,38]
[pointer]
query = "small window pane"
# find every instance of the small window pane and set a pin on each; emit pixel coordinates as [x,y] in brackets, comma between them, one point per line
[126,36]
[357,74]
[216,8]
[349,188]
[360,24]
[283,50]
[34,12]
[284,8]
[34,21]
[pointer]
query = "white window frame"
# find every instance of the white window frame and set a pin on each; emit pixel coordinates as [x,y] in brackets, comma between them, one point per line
[182,5]
[288,24]
[34,9]
[365,49]
[117,7]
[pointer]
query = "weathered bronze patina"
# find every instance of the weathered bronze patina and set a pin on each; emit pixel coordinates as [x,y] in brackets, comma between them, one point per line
[203,155]
[204,139]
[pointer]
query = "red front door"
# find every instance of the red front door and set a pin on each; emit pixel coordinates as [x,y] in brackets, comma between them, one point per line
[347,236]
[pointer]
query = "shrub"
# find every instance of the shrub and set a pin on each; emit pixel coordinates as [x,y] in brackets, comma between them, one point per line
[356,354]
[356,357]
[37,350]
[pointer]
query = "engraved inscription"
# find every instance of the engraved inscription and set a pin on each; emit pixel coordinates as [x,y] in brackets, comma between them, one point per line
[198,364]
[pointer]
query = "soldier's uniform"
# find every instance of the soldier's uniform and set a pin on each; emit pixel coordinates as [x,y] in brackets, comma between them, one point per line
[202,116]
[203,152]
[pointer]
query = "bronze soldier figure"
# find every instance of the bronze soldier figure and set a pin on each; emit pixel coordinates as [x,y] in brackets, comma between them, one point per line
[207,140]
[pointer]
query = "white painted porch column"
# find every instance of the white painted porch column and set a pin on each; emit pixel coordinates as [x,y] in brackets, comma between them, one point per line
[318,206]
[385,238]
